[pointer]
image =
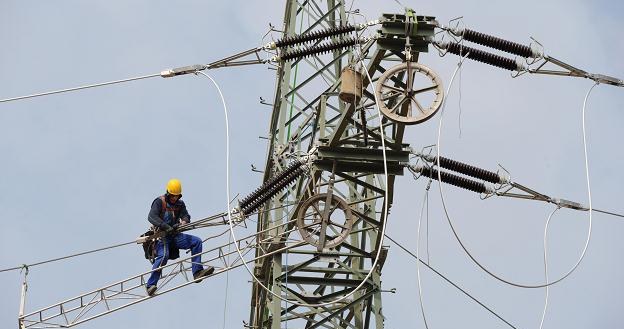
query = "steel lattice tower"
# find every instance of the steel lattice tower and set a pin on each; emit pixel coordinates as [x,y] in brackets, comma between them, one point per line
[347,175]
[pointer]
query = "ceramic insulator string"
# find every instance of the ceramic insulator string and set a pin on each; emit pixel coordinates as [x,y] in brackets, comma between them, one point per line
[271,190]
[270,182]
[468,170]
[315,35]
[482,56]
[497,43]
[320,49]
[455,180]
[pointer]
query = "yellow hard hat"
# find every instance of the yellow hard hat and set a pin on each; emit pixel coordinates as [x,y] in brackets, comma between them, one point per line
[174,187]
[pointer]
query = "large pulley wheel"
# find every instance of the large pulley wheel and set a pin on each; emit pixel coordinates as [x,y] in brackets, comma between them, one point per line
[409,93]
[324,223]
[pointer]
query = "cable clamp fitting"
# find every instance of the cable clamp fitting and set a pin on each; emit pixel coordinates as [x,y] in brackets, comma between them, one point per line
[601,78]
[568,204]
[182,70]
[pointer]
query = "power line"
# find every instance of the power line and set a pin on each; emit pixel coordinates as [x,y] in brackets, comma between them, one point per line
[608,213]
[65,257]
[186,227]
[450,282]
[191,226]
[79,88]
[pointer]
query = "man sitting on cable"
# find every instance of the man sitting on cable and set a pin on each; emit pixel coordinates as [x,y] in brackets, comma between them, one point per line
[167,213]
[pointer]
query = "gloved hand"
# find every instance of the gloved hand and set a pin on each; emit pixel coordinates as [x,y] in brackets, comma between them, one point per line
[168,229]
[176,226]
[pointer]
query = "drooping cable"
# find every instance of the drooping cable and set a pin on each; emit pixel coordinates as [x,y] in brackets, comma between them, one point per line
[546,264]
[227,281]
[456,234]
[79,88]
[420,294]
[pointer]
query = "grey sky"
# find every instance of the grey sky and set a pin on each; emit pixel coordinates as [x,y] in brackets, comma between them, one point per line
[80,169]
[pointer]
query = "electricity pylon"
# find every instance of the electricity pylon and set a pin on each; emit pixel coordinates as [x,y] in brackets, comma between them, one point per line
[322,107]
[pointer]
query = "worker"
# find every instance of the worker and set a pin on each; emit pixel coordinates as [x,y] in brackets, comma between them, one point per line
[167,213]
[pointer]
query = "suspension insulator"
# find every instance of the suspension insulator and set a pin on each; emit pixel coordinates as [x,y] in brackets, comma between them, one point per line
[455,180]
[270,182]
[498,43]
[483,56]
[315,35]
[466,169]
[320,49]
[271,191]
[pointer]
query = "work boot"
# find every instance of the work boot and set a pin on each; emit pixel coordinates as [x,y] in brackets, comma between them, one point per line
[203,273]
[151,290]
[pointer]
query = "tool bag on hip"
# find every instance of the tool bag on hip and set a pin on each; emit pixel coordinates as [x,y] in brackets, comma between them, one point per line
[149,246]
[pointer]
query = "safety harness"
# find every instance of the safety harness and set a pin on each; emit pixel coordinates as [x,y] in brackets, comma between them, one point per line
[149,247]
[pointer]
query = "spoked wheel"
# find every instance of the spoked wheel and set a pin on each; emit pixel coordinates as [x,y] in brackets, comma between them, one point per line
[409,93]
[324,224]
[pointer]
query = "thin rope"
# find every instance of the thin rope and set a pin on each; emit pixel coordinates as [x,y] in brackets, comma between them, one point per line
[449,281]
[78,88]
[66,257]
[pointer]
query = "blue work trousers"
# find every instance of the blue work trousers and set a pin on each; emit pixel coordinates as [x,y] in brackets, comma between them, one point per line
[182,241]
